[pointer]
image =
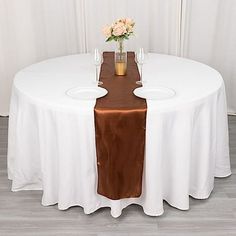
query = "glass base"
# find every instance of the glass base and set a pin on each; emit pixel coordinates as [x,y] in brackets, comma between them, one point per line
[139,82]
[98,82]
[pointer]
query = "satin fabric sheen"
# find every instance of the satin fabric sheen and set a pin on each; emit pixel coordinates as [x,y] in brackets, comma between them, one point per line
[120,122]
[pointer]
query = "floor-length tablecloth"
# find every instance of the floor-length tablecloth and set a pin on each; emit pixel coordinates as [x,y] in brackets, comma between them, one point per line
[52,141]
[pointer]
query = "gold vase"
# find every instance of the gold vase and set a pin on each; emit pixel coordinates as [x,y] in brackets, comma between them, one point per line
[120,59]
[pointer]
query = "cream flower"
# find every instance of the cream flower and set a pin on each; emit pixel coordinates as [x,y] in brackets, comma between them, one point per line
[129,21]
[129,29]
[119,29]
[107,31]
[120,21]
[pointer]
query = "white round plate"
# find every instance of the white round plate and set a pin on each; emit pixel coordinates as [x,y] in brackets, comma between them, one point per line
[86,93]
[155,93]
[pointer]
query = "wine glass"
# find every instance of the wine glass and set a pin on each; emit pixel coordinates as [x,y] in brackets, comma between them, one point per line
[140,59]
[98,60]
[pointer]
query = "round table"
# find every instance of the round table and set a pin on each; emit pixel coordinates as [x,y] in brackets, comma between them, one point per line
[52,137]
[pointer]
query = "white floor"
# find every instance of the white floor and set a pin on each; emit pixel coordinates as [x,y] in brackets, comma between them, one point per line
[22,214]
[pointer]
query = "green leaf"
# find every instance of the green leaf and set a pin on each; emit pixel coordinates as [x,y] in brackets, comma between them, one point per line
[109,39]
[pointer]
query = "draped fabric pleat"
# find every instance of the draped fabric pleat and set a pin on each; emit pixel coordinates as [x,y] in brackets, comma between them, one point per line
[32,31]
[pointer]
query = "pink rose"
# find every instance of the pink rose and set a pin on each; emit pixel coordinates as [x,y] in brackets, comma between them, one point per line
[119,29]
[107,31]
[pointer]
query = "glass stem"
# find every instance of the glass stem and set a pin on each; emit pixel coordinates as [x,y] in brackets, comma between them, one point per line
[96,73]
[141,72]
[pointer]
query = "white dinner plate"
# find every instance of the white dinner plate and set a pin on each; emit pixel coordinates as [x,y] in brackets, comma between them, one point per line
[86,93]
[155,93]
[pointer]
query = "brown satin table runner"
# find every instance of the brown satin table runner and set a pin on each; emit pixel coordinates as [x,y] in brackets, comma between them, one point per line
[120,122]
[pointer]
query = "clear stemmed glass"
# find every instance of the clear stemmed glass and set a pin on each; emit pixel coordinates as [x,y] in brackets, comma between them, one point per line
[98,60]
[140,59]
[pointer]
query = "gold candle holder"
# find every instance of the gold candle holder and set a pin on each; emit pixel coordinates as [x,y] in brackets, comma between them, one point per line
[120,68]
[120,63]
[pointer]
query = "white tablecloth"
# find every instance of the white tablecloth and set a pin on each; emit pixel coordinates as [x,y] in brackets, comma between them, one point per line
[52,136]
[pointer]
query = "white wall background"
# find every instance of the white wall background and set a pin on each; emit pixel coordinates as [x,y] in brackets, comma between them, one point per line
[209,36]
[34,30]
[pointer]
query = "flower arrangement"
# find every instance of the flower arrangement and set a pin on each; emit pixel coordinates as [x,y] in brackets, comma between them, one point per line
[119,30]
